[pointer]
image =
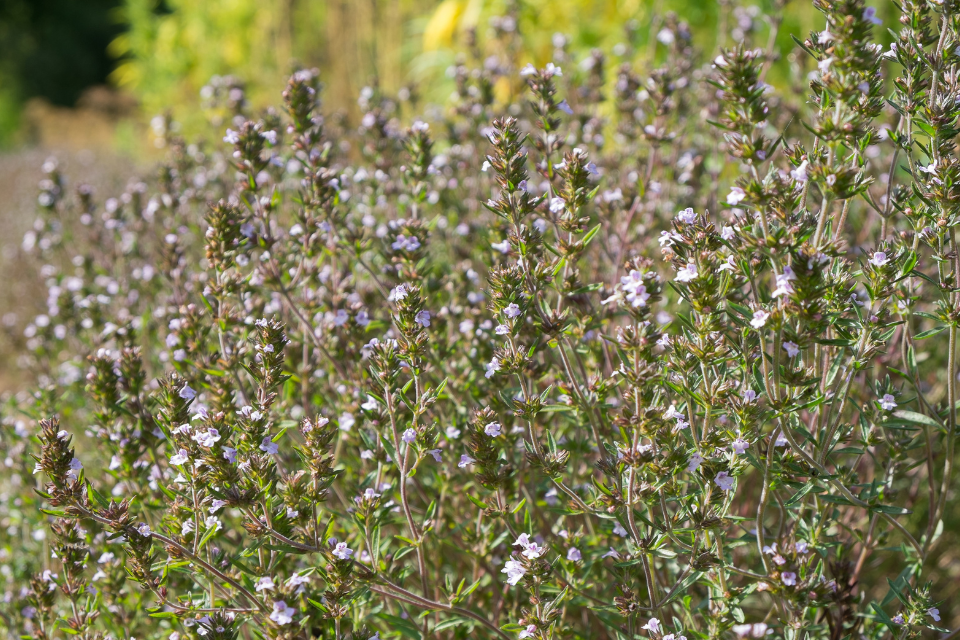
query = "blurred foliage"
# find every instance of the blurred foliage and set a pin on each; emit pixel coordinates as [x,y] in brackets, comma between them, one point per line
[170,52]
[164,52]
[52,49]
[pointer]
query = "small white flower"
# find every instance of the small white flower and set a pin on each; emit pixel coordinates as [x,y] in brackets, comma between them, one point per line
[528,71]
[514,571]
[492,367]
[791,348]
[492,429]
[800,173]
[267,445]
[342,551]
[486,166]
[144,529]
[735,196]
[888,402]
[727,233]
[653,625]
[180,458]
[265,584]
[346,421]
[687,273]
[232,137]
[724,481]
[879,259]
[759,319]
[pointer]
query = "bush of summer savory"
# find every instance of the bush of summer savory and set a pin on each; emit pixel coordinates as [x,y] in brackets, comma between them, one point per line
[654,351]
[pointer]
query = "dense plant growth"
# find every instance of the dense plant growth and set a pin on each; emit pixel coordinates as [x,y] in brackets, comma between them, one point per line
[650,353]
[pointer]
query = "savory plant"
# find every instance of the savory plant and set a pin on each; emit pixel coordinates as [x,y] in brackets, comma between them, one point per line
[526,371]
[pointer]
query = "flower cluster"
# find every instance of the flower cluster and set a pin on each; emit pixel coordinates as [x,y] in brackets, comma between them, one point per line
[668,354]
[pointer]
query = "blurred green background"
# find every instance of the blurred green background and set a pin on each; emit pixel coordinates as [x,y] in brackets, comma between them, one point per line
[77,73]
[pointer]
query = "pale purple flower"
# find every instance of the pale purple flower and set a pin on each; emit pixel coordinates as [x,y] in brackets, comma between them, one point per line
[934,613]
[436,454]
[409,436]
[888,402]
[230,455]
[187,393]
[695,461]
[740,446]
[423,318]
[789,578]
[791,348]
[404,243]
[687,216]
[800,547]
[727,232]
[282,613]
[180,458]
[574,555]
[75,467]
[563,106]
[465,460]
[879,259]
[528,632]
[512,310]
[653,625]
[898,619]
[207,438]
[492,429]
[724,481]
[492,367]
[870,15]
[267,445]
[265,584]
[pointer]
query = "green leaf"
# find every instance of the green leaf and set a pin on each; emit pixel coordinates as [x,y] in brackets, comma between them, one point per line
[916,418]
[929,332]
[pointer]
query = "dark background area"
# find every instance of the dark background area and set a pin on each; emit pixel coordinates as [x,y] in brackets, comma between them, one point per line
[54,49]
